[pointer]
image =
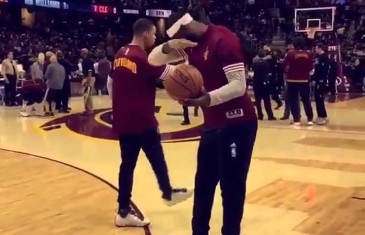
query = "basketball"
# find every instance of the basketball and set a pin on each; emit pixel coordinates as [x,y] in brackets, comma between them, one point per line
[184,82]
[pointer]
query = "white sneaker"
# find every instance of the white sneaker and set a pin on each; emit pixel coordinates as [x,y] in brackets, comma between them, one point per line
[24,114]
[38,109]
[310,123]
[321,121]
[295,123]
[130,221]
[177,196]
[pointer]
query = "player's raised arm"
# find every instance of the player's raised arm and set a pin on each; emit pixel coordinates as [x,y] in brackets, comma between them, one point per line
[173,50]
[231,57]
[170,52]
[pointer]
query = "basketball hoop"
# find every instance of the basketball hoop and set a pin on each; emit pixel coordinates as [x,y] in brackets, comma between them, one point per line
[311,32]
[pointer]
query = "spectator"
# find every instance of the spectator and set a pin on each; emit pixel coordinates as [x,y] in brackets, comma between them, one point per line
[55,75]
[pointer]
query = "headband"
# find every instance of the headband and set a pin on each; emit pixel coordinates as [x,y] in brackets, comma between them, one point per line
[184,20]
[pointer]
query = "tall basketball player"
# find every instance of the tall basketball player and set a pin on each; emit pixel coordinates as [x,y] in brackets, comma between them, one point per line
[298,64]
[133,98]
[230,122]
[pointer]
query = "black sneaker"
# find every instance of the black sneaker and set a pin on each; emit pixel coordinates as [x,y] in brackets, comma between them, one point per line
[184,123]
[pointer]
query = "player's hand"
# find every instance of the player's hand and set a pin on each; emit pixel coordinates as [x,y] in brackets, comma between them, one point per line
[202,101]
[181,43]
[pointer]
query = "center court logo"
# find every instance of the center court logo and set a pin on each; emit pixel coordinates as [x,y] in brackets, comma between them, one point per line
[99,125]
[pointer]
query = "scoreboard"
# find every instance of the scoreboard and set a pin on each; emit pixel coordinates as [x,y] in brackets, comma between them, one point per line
[88,6]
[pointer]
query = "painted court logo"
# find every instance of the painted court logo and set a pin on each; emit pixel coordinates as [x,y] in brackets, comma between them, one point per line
[99,125]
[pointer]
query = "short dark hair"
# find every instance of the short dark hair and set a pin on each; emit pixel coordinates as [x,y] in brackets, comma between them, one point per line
[142,25]
[261,53]
[321,46]
[299,43]
[59,54]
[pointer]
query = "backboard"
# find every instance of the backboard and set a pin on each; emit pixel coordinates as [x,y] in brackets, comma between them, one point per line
[321,18]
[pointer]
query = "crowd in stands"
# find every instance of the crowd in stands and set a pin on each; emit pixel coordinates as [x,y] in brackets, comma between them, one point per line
[256,24]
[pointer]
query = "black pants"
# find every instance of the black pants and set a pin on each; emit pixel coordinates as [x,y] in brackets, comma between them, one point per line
[302,89]
[223,156]
[262,92]
[287,103]
[186,113]
[332,86]
[130,145]
[52,96]
[319,95]
[10,90]
[33,96]
[65,93]
[274,90]
[100,84]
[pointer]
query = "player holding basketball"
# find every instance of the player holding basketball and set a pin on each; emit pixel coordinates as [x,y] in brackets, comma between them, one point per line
[133,83]
[230,122]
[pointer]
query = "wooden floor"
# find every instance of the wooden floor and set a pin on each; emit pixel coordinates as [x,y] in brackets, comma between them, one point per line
[59,176]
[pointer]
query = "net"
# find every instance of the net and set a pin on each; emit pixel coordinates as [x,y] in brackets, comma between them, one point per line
[311,32]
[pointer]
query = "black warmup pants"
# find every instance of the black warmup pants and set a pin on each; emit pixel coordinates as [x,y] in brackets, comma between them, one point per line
[319,95]
[223,156]
[293,92]
[287,103]
[10,90]
[130,145]
[262,92]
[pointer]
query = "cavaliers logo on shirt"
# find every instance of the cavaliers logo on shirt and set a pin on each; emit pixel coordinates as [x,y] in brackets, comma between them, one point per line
[125,63]
[206,54]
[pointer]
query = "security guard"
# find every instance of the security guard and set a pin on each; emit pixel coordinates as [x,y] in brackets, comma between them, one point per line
[261,85]
[274,89]
[320,79]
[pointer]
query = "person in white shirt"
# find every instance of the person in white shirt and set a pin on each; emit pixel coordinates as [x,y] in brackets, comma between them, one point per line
[10,73]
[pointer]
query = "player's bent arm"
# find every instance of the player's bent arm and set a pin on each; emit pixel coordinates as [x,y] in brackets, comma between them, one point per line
[163,54]
[235,87]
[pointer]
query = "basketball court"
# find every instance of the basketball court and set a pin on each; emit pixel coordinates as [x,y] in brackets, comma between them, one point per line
[59,176]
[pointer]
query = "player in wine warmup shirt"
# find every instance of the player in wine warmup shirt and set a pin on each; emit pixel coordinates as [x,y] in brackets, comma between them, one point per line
[230,122]
[133,83]
[298,64]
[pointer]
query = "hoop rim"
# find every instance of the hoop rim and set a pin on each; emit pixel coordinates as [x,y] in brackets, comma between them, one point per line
[315,29]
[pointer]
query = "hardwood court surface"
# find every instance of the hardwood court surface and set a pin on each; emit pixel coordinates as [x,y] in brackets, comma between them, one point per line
[306,181]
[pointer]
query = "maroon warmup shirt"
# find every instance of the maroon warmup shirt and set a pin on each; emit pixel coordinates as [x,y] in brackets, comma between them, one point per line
[218,52]
[298,64]
[134,91]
